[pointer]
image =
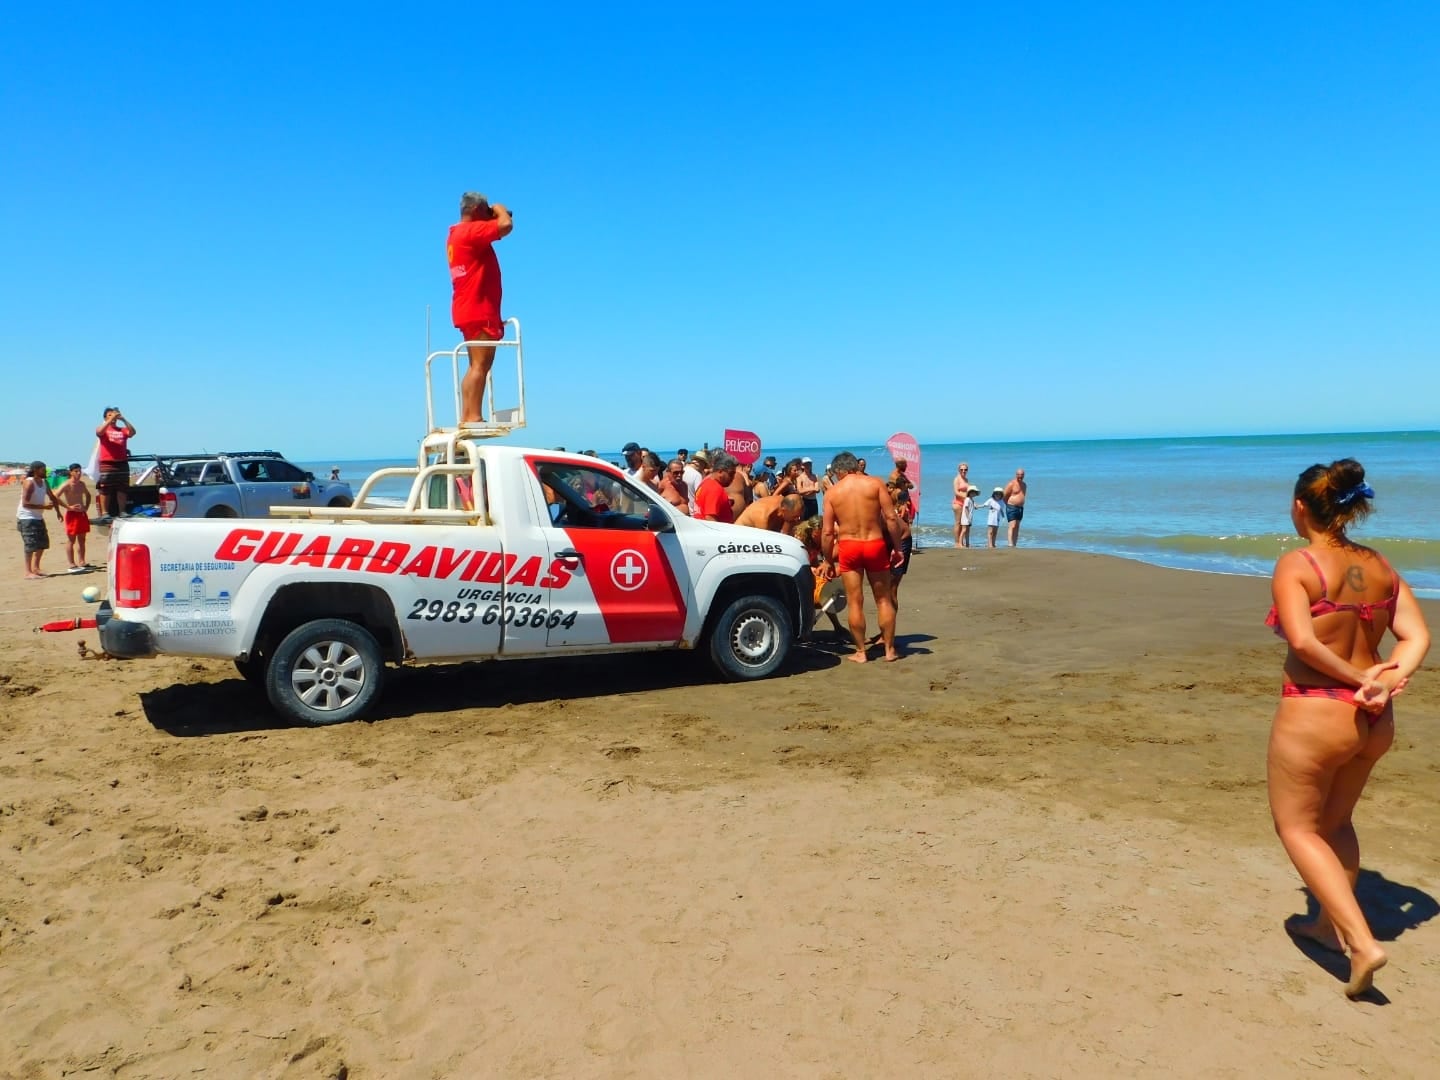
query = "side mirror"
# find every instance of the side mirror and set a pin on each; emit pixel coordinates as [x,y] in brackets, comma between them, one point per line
[659,521]
[310,476]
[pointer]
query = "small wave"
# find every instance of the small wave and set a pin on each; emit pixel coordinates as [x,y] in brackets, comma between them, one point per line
[1250,555]
[1405,554]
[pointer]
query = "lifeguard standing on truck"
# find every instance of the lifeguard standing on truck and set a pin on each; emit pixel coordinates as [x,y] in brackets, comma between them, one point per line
[475,279]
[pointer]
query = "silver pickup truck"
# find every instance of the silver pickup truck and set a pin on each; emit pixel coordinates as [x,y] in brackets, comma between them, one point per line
[245,484]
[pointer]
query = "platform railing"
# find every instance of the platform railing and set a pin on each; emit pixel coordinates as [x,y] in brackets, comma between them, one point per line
[501,421]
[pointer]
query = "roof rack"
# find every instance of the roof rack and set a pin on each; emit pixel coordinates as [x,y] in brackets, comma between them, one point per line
[207,454]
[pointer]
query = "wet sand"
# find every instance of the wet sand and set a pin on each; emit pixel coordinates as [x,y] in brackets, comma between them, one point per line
[1037,846]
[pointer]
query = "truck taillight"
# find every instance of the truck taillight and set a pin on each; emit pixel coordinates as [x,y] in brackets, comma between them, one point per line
[168,502]
[132,575]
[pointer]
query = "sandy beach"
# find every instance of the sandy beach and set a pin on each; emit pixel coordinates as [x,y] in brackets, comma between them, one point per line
[1038,846]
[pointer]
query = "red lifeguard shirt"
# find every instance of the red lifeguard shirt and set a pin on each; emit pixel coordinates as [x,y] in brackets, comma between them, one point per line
[114,444]
[474,272]
[713,501]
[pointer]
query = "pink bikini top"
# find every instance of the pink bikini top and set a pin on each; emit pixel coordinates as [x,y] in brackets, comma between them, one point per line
[1324,606]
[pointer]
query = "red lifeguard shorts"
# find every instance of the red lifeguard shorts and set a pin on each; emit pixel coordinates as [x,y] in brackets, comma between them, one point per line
[488,330]
[868,555]
[77,523]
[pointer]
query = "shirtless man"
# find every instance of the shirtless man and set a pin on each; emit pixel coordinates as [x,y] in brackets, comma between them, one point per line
[75,497]
[861,536]
[739,489]
[1014,497]
[672,486]
[776,513]
[899,477]
[808,487]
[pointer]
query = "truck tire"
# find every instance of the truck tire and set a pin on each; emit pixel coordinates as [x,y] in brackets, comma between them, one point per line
[325,672]
[220,511]
[751,638]
[341,500]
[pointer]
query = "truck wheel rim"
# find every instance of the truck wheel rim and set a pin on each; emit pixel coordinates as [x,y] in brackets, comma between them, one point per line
[753,638]
[328,676]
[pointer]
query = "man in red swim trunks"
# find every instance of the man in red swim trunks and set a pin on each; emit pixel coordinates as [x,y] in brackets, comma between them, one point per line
[861,535]
[475,279]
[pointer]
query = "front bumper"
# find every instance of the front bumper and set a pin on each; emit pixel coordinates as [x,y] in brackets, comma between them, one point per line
[123,640]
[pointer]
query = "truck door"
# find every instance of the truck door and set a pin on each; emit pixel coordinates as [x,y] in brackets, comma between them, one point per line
[266,482]
[445,582]
[612,581]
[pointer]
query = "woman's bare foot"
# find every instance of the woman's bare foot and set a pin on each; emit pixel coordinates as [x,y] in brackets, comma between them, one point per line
[1318,930]
[857,657]
[1362,970]
[891,656]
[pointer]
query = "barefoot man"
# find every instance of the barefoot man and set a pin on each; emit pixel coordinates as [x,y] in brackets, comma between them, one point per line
[861,536]
[777,513]
[1014,497]
[475,278]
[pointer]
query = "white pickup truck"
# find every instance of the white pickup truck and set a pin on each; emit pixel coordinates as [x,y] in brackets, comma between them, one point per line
[498,553]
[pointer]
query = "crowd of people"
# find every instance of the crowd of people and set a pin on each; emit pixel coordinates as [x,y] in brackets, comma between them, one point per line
[862,535]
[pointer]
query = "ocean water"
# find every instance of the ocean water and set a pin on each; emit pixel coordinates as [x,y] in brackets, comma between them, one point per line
[1215,504]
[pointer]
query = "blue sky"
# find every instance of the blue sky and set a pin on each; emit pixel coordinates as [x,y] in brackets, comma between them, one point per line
[822,223]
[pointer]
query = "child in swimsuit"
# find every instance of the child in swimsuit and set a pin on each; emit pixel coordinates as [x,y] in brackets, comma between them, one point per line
[75,497]
[995,504]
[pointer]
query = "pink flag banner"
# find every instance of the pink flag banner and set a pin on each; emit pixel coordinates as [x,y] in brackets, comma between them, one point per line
[745,445]
[904,448]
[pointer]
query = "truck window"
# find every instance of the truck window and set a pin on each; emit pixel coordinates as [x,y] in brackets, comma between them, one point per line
[577,496]
[438,492]
[271,471]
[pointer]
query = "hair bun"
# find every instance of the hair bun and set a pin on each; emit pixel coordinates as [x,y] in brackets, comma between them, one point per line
[1345,474]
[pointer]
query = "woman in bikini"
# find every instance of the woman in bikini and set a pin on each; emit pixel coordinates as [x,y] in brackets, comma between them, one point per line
[957,504]
[1334,600]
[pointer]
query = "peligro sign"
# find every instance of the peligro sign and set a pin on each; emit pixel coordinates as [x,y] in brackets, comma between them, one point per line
[745,445]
